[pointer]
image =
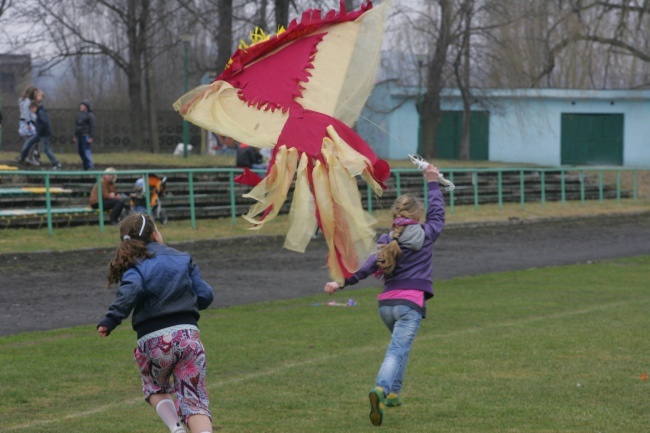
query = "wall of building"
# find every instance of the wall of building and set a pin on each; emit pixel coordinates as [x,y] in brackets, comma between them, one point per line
[525,124]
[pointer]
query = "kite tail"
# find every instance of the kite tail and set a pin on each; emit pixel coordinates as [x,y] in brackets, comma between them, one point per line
[326,195]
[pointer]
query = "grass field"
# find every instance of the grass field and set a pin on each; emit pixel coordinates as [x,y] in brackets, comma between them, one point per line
[543,350]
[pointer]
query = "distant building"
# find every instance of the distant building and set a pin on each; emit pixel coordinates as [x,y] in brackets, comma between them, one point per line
[15,75]
[540,126]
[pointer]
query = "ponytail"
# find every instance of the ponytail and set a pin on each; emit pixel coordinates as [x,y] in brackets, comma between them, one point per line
[136,231]
[406,206]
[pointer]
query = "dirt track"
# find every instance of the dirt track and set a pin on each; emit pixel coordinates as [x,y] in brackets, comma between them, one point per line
[53,290]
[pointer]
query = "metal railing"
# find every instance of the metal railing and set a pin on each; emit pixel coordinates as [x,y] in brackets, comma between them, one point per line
[398,174]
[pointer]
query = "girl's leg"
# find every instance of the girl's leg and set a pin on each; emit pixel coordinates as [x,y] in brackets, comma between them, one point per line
[166,410]
[189,383]
[199,424]
[404,322]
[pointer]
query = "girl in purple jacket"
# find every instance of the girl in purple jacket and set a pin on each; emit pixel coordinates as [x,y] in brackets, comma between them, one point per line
[404,259]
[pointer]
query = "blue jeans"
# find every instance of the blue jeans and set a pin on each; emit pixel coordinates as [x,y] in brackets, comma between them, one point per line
[27,146]
[403,322]
[45,141]
[83,147]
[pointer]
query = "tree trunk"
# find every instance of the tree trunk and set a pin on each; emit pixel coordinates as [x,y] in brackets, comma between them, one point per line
[152,102]
[134,73]
[282,13]
[431,111]
[224,38]
[261,21]
[463,80]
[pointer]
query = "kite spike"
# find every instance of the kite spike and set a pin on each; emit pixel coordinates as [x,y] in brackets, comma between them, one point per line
[422,164]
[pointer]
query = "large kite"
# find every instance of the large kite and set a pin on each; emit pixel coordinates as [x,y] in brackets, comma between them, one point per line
[299,92]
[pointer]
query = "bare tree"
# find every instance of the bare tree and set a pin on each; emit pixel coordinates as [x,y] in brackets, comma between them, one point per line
[4,5]
[620,27]
[282,13]
[224,39]
[120,31]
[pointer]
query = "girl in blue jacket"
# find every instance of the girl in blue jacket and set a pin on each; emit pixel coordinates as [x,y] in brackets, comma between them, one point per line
[165,291]
[404,259]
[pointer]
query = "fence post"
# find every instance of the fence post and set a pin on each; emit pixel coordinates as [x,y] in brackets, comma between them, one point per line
[190,181]
[634,185]
[543,191]
[500,188]
[600,186]
[618,186]
[369,198]
[233,210]
[48,203]
[563,192]
[147,192]
[100,203]
[522,189]
[451,193]
[582,187]
[475,182]
[398,183]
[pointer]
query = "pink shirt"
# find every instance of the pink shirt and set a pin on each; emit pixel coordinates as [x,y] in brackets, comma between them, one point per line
[415,296]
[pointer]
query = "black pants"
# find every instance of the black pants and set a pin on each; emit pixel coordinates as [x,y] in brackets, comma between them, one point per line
[117,204]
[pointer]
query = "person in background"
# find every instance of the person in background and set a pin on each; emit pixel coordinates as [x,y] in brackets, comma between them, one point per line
[138,198]
[164,289]
[111,200]
[84,131]
[27,123]
[43,133]
[250,157]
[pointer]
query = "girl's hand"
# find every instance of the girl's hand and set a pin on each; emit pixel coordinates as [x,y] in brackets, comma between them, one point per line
[332,287]
[103,331]
[431,174]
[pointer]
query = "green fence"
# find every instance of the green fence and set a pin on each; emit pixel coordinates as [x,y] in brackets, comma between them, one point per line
[529,179]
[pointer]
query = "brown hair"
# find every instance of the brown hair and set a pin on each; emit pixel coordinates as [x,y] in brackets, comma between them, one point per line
[133,246]
[29,92]
[405,206]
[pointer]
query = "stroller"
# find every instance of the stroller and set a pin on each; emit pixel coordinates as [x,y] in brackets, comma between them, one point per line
[157,189]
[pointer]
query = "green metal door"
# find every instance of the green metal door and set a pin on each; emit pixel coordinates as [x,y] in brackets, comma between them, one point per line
[592,139]
[450,132]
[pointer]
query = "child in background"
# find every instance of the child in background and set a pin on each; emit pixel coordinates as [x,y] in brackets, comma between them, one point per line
[165,291]
[84,131]
[27,124]
[404,258]
[138,199]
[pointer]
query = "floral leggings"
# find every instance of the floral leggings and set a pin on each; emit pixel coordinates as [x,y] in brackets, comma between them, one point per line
[175,352]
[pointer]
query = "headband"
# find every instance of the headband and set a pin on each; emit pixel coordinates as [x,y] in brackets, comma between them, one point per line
[144,221]
[126,237]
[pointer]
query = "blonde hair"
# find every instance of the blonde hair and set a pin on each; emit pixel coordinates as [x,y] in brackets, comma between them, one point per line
[405,206]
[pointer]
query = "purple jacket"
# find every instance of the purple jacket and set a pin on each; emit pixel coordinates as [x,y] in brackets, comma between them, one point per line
[414,270]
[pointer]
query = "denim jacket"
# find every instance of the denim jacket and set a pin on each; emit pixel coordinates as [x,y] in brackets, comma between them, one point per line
[162,291]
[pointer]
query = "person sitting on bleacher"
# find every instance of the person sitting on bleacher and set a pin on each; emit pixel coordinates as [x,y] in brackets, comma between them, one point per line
[110,198]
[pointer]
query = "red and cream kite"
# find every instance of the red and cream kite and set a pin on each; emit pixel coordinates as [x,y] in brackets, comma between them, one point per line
[299,92]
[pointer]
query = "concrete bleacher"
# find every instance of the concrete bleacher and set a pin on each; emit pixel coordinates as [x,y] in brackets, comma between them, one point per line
[23,199]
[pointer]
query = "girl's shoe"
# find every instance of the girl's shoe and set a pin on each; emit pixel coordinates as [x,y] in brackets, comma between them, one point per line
[376,397]
[393,400]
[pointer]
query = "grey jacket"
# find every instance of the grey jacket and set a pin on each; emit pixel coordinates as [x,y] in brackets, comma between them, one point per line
[84,124]
[162,291]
